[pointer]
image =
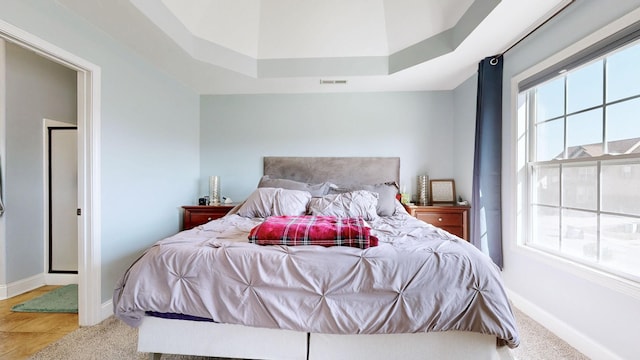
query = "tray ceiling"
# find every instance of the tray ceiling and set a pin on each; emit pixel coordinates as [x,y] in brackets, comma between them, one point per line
[266,46]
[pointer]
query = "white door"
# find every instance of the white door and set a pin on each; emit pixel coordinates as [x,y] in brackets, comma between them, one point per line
[63,200]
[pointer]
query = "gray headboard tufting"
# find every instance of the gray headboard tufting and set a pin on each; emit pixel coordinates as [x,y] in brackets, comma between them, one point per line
[339,170]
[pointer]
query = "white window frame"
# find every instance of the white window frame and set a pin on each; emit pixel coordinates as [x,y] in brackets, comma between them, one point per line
[520,177]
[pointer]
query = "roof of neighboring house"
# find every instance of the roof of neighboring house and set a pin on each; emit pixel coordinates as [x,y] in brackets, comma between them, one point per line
[618,147]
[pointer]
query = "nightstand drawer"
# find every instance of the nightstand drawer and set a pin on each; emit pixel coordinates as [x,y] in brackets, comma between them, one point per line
[201,218]
[455,230]
[451,218]
[439,219]
[198,215]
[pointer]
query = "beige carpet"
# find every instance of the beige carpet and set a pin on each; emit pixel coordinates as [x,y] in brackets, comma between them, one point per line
[112,339]
[538,343]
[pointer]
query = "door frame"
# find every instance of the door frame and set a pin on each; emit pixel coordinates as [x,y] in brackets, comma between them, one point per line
[88,112]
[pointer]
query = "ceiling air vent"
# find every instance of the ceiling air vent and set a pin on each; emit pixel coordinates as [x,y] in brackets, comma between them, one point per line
[333,82]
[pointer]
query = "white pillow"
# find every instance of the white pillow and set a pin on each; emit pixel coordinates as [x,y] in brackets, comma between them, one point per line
[290,202]
[386,195]
[360,203]
[264,202]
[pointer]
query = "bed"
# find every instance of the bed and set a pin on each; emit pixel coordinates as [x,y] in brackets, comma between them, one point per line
[410,291]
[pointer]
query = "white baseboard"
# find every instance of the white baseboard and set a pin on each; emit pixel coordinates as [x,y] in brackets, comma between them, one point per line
[60,279]
[21,286]
[34,282]
[573,337]
[106,309]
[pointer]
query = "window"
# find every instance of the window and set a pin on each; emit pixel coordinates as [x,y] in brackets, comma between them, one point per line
[580,148]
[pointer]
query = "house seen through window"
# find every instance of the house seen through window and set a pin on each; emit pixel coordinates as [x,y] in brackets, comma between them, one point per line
[581,160]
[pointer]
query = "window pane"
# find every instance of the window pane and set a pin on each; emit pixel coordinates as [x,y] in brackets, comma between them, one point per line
[546,227]
[584,134]
[619,239]
[584,87]
[550,100]
[580,186]
[621,187]
[623,73]
[574,199]
[623,128]
[546,180]
[580,234]
[550,140]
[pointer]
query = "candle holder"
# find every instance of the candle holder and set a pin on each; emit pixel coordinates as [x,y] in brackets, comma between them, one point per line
[423,189]
[214,190]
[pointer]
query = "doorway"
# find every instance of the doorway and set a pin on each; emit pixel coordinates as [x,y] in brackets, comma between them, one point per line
[90,311]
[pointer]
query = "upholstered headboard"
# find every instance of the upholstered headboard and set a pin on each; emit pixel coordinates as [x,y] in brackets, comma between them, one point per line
[339,170]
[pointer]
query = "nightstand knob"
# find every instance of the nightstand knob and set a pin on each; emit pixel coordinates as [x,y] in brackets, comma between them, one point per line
[209,218]
[439,219]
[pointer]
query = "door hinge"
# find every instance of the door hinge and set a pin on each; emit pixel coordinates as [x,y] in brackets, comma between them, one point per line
[79,212]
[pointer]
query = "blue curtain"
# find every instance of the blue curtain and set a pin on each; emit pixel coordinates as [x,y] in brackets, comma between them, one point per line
[487,165]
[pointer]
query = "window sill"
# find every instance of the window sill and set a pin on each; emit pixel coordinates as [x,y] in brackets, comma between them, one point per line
[610,281]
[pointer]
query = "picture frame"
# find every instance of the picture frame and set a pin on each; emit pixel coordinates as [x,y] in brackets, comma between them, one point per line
[442,191]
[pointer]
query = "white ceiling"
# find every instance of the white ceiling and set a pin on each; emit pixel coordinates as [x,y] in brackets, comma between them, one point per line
[310,29]
[288,46]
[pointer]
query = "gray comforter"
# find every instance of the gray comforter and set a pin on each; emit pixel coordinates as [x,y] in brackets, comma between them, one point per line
[418,279]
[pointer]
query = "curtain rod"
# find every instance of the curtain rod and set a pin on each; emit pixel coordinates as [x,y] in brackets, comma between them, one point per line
[536,28]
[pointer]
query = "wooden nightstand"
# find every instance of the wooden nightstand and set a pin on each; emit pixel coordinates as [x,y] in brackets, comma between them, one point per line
[201,214]
[452,218]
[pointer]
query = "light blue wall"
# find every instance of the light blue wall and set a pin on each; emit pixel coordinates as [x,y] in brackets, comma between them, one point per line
[149,135]
[606,317]
[36,88]
[237,131]
[464,129]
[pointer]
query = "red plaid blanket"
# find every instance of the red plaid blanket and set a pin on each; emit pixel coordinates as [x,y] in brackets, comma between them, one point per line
[313,230]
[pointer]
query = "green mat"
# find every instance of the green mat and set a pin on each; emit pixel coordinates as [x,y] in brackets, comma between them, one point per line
[61,300]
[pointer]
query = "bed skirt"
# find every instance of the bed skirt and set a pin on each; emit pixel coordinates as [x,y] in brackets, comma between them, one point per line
[170,336]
